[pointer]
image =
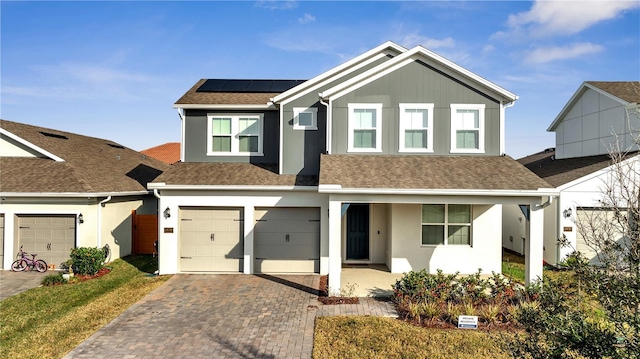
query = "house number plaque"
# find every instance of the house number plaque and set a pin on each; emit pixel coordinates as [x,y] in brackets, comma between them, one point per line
[168,229]
[568,229]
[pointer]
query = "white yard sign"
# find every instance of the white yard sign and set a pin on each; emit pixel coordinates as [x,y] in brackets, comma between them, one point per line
[467,322]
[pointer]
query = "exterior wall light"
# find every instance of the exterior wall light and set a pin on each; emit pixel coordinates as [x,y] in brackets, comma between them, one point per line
[167,213]
[80,218]
[567,213]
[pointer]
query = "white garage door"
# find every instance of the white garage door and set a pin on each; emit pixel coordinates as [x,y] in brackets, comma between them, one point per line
[1,240]
[51,237]
[211,239]
[287,240]
[594,222]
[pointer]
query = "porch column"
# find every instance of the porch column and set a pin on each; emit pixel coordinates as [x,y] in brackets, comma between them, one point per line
[533,254]
[335,233]
[247,263]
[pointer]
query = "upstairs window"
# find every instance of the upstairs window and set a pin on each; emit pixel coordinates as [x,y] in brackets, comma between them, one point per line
[416,127]
[364,128]
[235,134]
[446,224]
[305,118]
[467,128]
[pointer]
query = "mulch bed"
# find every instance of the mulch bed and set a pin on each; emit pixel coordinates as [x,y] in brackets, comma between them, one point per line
[325,299]
[101,272]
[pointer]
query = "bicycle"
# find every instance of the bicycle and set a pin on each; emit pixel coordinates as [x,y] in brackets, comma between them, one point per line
[23,262]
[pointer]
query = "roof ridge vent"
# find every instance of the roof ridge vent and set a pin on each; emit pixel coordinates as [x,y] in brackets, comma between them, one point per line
[54,135]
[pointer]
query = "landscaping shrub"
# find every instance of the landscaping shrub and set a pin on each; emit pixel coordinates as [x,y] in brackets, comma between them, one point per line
[87,261]
[53,279]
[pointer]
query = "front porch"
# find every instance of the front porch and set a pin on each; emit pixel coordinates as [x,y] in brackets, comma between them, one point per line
[371,280]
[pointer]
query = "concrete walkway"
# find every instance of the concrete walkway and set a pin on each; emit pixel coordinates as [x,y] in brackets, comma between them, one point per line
[12,283]
[222,316]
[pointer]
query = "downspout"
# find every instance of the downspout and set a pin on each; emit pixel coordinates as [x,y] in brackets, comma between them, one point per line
[558,232]
[502,126]
[101,204]
[544,205]
[182,130]
[328,134]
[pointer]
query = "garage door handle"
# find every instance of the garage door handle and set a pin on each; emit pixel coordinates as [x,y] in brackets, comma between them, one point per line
[287,237]
[213,237]
[48,246]
[185,257]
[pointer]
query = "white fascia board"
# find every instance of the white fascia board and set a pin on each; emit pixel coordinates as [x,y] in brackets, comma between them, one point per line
[164,186]
[267,106]
[404,59]
[38,149]
[72,194]
[328,76]
[441,192]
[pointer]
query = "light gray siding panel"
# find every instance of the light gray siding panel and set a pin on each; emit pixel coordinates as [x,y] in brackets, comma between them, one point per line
[417,83]
[196,138]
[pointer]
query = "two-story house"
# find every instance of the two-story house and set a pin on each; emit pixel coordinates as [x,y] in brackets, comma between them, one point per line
[599,118]
[395,157]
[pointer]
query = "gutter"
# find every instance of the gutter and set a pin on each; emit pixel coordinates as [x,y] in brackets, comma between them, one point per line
[157,186]
[267,106]
[446,192]
[72,194]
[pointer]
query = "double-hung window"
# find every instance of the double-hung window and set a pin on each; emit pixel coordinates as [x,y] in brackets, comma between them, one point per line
[467,128]
[234,134]
[416,127]
[446,224]
[364,127]
[305,118]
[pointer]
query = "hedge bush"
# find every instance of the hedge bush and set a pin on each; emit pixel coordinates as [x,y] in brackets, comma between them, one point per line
[53,279]
[87,261]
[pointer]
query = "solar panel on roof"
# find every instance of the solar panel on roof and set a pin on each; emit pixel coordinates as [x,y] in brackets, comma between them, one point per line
[223,85]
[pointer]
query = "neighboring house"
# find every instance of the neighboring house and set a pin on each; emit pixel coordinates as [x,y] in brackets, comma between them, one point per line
[60,190]
[395,157]
[168,153]
[597,116]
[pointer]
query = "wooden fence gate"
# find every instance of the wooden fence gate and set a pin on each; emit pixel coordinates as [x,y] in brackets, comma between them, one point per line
[145,232]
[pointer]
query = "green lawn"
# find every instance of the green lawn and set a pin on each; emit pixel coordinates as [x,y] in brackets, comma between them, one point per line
[47,322]
[375,337]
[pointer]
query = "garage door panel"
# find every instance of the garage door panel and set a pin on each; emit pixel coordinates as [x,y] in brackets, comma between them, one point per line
[287,240]
[211,240]
[1,240]
[51,237]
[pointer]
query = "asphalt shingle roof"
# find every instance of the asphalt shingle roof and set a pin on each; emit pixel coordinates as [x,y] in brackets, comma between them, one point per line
[193,97]
[625,90]
[91,165]
[561,171]
[427,172]
[231,174]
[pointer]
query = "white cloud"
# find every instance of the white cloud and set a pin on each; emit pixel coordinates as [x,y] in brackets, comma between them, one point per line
[553,53]
[412,40]
[277,4]
[488,49]
[306,18]
[549,18]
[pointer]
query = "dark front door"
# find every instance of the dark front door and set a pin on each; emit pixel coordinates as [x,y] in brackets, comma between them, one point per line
[358,231]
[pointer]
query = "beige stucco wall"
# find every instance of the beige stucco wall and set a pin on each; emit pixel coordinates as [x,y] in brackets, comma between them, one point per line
[514,228]
[409,254]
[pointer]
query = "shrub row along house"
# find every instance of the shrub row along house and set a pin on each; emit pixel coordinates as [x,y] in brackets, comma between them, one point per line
[60,190]
[394,157]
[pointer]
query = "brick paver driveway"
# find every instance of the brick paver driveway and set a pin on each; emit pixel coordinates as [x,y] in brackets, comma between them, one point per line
[214,316]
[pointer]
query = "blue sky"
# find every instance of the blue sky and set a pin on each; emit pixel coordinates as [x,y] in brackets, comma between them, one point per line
[114,69]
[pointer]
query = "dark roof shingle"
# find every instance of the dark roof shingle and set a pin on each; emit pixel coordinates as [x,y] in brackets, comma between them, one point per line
[427,172]
[91,165]
[626,90]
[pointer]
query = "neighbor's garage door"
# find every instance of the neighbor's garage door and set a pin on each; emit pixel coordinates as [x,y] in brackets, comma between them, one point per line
[51,237]
[592,222]
[211,239]
[1,241]
[287,240]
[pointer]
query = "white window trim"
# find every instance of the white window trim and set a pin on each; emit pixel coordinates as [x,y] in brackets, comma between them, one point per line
[446,225]
[403,128]
[235,142]
[481,134]
[365,106]
[314,118]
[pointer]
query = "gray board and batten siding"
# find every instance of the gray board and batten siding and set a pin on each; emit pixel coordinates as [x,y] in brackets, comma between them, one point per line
[418,83]
[196,136]
[302,148]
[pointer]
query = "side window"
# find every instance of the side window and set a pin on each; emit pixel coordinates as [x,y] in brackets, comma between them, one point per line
[305,118]
[416,127]
[446,224]
[365,128]
[467,128]
[234,134]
